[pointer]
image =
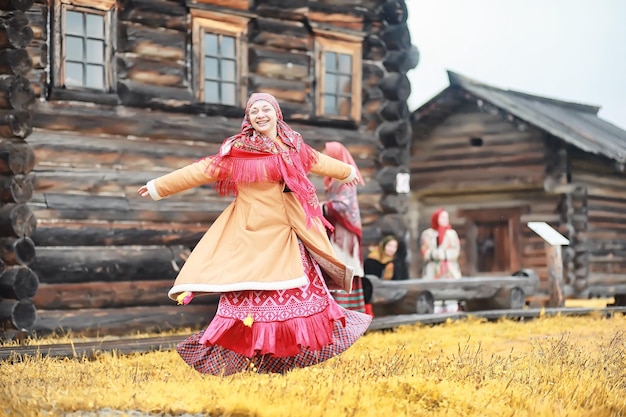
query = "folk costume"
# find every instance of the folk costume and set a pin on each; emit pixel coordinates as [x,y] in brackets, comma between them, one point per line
[379,263]
[440,248]
[341,209]
[267,254]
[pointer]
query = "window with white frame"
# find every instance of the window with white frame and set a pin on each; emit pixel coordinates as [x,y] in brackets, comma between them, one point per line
[83,44]
[338,72]
[220,55]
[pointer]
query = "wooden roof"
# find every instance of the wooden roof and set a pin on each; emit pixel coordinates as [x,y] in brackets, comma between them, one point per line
[576,124]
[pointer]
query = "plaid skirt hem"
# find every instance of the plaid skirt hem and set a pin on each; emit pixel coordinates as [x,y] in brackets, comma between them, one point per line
[218,360]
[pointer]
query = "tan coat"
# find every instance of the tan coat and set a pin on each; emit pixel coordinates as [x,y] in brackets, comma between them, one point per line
[253,244]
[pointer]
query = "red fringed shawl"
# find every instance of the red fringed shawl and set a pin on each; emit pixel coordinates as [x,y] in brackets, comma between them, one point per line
[239,166]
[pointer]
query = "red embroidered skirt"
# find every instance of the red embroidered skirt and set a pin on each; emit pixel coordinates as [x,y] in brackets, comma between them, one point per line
[291,328]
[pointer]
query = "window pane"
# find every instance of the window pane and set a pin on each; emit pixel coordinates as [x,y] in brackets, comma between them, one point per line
[331,61]
[74,23]
[229,94]
[345,84]
[228,47]
[211,69]
[344,106]
[345,64]
[210,44]
[74,74]
[95,51]
[228,70]
[74,48]
[330,104]
[330,84]
[211,92]
[95,26]
[95,77]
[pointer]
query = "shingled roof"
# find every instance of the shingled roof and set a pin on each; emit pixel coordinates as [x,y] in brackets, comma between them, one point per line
[576,124]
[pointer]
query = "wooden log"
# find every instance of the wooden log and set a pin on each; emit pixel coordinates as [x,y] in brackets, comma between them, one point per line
[396,134]
[17,220]
[279,64]
[394,12]
[15,31]
[395,110]
[372,73]
[18,283]
[15,92]
[16,157]
[293,10]
[17,251]
[109,295]
[397,37]
[55,232]
[139,94]
[19,315]
[280,34]
[98,263]
[15,124]
[555,275]
[22,5]
[16,189]
[294,91]
[374,48]
[396,87]
[156,13]
[15,61]
[402,61]
[394,203]
[151,72]
[155,43]
[123,321]
[393,156]
[87,350]
[155,124]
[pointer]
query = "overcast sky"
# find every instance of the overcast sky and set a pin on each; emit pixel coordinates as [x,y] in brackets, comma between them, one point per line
[573,50]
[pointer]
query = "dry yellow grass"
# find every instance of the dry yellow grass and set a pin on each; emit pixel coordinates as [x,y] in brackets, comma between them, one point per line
[562,366]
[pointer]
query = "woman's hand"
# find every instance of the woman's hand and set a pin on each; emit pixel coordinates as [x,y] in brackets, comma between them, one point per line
[353,183]
[143,191]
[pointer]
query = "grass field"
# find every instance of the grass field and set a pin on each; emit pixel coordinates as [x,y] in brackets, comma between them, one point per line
[561,366]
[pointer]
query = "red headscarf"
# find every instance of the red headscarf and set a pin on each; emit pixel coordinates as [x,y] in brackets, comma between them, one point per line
[293,164]
[434,224]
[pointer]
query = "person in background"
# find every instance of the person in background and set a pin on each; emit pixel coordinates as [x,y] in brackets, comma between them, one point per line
[380,261]
[341,209]
[440,249]
[267,254]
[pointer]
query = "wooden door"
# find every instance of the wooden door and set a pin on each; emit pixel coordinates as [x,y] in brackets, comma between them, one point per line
[492,241]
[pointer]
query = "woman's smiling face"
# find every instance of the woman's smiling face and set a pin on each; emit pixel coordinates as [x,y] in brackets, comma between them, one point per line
[263,118]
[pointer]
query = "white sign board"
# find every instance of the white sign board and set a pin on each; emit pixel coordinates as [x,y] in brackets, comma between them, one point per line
[547,233]
[403,183]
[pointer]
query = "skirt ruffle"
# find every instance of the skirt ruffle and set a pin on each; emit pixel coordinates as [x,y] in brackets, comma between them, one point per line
[277,338]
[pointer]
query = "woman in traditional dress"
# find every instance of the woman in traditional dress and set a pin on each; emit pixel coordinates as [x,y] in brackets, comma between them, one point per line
[267,254]
[440,248]
[341,209]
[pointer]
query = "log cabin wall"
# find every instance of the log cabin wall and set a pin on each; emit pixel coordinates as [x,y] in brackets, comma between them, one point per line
[483,170]
[599,218]
[102,251]
[18,282]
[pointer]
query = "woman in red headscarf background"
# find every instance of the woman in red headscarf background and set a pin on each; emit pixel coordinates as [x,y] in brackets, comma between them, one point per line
[267,254]
[440,248]
[341,209]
